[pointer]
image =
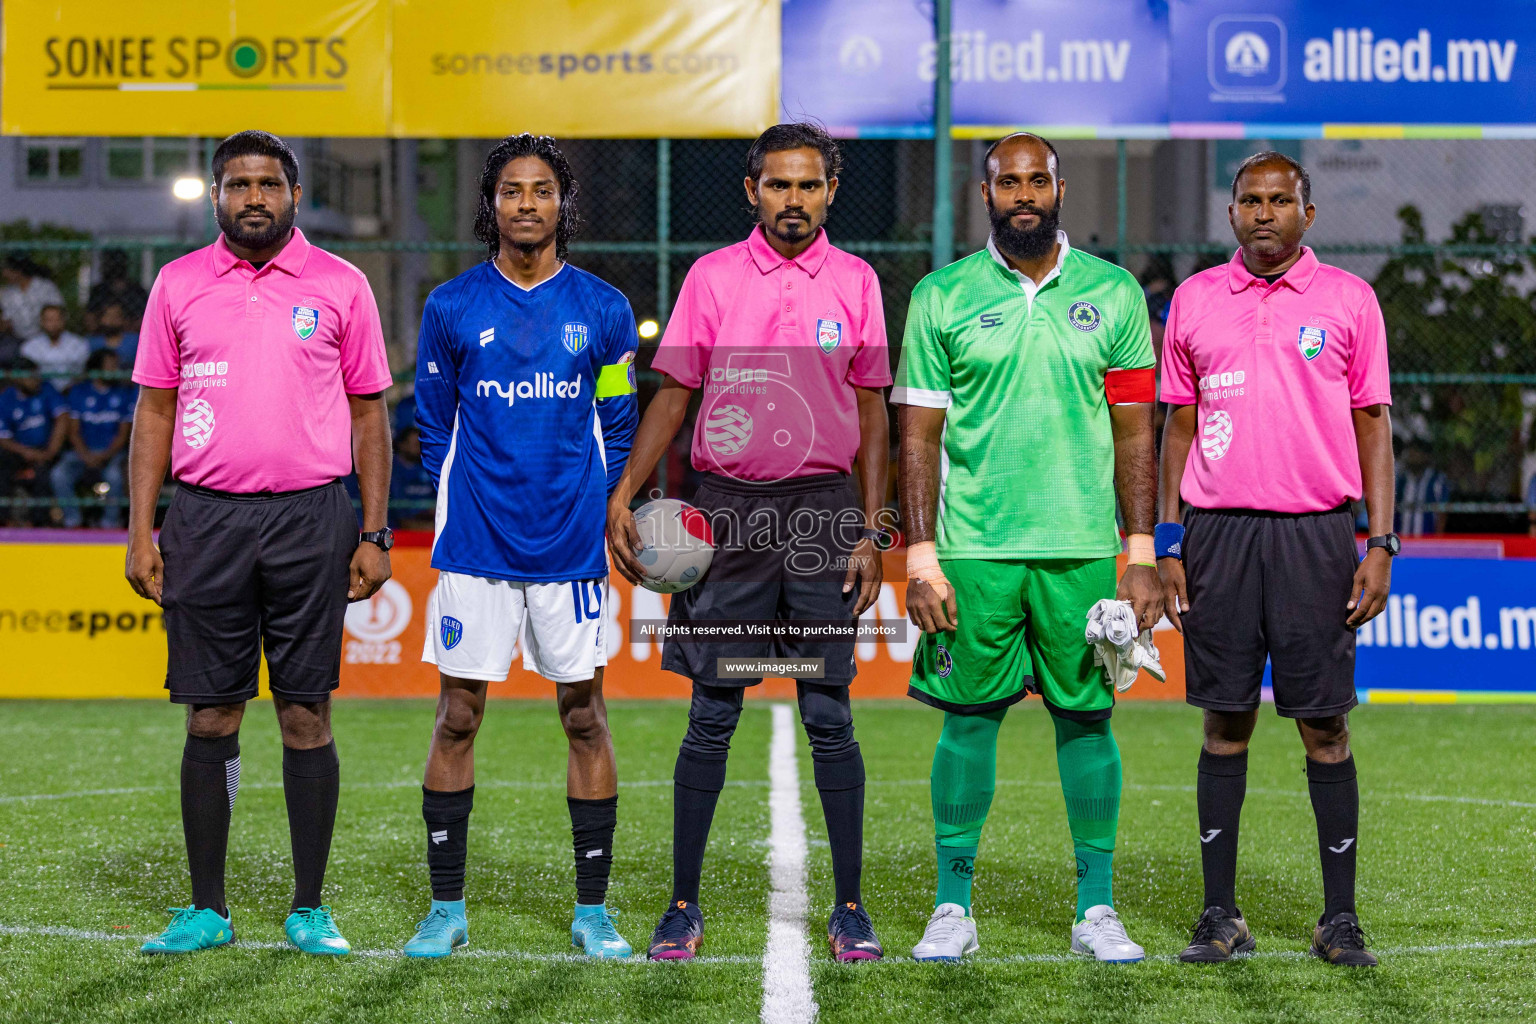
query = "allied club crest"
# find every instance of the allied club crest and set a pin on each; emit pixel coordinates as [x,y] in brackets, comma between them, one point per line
[1311,341]
[574,337]
[1084,316]
[453,632]
[829,334]
[305,320]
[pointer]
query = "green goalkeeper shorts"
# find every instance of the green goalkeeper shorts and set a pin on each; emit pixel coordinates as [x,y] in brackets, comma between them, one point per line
[1020,632]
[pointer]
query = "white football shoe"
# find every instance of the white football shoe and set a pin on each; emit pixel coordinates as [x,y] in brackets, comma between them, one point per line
[951,933]
[1101,936]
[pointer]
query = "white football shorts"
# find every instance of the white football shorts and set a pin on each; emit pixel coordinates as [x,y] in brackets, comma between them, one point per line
[474,624]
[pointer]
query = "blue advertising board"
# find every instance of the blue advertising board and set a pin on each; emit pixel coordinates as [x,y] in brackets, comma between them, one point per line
[867,66]
[1155,68]
[1459,627]
[1304,61]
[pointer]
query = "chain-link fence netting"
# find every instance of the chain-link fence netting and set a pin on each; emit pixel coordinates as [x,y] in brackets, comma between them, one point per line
[1438,226]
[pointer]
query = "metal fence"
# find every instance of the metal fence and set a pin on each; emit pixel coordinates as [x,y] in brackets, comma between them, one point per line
[1438,226]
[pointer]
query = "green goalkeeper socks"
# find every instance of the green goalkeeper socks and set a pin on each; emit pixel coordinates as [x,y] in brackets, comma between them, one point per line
[1089,762]
[964,778]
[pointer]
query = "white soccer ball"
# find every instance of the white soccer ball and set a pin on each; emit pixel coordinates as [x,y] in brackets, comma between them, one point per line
[676,545]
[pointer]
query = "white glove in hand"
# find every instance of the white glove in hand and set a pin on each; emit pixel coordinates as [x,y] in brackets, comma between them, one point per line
[1117,646]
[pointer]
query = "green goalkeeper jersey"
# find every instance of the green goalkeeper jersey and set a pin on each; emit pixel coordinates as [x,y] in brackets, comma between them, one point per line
[1028,459]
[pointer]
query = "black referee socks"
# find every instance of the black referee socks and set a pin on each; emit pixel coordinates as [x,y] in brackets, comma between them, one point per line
[1219,792]
[1336,805]
[592,825]
[210,775]
[447,817]
[311,784]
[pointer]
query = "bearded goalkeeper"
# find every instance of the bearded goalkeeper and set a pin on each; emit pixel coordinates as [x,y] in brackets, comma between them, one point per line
[1026,385]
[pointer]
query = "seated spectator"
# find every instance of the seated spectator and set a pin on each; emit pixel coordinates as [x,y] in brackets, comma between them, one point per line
[33,424]
[57,352]
[1419,484]
[113,335]
[100,418]
[117,285]
[24,290]
[10,344]
[410,481]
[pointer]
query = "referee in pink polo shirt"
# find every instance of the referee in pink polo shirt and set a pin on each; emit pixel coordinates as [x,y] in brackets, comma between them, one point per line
[786,336]
[1277,365]
[262,369]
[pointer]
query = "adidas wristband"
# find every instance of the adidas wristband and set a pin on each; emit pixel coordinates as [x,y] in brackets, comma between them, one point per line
[1168,540]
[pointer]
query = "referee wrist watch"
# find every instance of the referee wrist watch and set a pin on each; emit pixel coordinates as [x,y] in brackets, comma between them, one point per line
[384,538]
[1391,541]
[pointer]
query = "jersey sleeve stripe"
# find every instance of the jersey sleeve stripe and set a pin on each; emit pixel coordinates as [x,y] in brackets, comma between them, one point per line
[920,397]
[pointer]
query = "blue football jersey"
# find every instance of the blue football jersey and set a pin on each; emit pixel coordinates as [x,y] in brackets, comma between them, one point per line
[29,419]
[525,400]
[100,412]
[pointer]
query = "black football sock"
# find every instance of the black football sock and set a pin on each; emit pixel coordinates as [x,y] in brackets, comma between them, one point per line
[311,785]
[696,786]
[447,816]
[1222,784]
[210,775]
[1336,805]
[592,825]
[840,785]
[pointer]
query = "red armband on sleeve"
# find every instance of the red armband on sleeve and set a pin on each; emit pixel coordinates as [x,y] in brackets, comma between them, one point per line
[1126,387]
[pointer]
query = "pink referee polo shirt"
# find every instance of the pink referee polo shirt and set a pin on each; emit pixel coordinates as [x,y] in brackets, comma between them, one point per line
[778,346]
[1274,370]
[263,361]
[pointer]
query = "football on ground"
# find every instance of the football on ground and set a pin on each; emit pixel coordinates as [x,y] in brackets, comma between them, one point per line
[676,544]
[91,853]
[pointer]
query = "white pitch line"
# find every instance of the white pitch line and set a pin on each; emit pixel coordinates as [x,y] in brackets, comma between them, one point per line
[787,996]
[85,935]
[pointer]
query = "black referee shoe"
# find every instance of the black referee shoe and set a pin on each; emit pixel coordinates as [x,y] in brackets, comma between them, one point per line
[1218,937]
[1342,942]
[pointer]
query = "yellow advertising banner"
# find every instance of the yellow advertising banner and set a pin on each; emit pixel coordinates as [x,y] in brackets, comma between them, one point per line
[146,67]
[592,68]
[417,68]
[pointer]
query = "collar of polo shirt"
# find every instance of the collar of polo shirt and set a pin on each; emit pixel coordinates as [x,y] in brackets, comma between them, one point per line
[1025,281]
[768,258]
[291,260]
[1298,277]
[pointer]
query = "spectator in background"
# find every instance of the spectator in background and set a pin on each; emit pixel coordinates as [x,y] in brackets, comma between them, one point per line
[117,285]
[410,482]
[1419,484]
[24,290]
[32,429]
[1530,503]
[57,352]
[10,346]
[113,335]
[100,415]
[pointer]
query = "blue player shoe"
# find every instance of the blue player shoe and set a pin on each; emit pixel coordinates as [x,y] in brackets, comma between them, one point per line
[191,930]
[443,930]
[593,933]
[313,930]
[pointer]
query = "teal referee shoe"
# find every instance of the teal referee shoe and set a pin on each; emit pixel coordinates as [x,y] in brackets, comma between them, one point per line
[444,929]
[191,930]
[313,930]
[593,933]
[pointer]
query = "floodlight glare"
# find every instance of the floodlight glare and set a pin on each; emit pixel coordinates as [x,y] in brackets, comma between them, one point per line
[188,189]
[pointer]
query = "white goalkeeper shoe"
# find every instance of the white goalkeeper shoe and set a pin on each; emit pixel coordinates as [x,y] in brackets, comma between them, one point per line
[951,933]
[1101,935]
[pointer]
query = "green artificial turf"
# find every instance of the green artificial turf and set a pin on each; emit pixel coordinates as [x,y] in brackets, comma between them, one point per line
[91,851]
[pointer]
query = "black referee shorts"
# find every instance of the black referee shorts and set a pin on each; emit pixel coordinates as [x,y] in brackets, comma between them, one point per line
[780,556]
[1270,585]
[251,572]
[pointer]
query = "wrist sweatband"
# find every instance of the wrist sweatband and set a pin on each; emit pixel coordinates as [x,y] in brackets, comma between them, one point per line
[1138,550]
[923,564]
[1168,540]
